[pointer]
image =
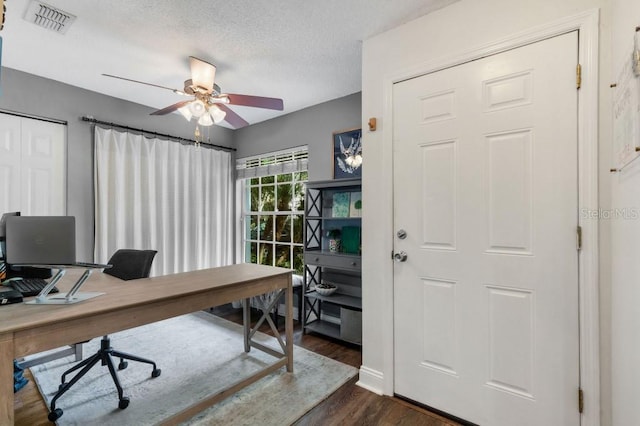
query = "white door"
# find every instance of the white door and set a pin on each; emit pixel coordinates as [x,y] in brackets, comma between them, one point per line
[10,157]
[43,179]
[485,187]
[32,166]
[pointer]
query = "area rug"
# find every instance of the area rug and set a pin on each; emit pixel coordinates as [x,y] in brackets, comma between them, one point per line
[199,354]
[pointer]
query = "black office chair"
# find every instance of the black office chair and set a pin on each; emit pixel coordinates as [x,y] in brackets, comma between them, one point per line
[126,264]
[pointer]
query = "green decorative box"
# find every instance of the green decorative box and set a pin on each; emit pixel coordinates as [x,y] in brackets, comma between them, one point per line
[340,206]
[351,239]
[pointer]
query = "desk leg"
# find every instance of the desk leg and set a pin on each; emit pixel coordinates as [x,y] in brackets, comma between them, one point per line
[246,323]
[289,325]
[6,381]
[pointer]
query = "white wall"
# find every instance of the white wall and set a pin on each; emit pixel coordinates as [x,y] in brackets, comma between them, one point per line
[625,248]
[446,33]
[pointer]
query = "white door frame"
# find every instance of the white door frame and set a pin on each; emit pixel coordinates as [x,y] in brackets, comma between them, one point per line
[587,25]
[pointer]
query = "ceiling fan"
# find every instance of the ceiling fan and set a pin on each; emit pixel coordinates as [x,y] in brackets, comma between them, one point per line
[208,104]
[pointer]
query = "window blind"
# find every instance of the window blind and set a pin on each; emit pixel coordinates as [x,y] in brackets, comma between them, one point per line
[274,163]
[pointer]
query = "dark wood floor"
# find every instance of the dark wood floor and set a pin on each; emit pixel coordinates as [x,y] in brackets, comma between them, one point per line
[349,405]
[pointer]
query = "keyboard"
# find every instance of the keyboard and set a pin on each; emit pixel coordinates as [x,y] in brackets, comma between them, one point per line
[29,286]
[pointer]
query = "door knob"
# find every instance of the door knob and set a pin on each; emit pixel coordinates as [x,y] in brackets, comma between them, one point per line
[400,257]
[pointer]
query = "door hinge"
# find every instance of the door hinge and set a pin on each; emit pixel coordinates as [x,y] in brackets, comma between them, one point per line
[580,400]
[578,76]
[579,238]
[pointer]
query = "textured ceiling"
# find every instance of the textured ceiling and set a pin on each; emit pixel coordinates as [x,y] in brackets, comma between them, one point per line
[305,52]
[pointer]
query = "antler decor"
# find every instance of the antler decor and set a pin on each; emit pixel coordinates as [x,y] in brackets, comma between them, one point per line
[352,154]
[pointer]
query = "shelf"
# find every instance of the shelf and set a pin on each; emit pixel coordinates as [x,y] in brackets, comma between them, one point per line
[324,327]
[334,183]
[328,329]
[332,253]
[332,218]
[337,299]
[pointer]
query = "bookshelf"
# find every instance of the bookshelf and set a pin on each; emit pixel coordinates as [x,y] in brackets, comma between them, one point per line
[332,254]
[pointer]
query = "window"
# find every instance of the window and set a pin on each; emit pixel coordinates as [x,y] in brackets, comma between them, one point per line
[272,192]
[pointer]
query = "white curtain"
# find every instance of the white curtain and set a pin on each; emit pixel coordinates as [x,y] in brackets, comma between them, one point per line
[162,195]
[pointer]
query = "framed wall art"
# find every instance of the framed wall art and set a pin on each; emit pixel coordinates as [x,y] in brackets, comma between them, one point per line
[347,154]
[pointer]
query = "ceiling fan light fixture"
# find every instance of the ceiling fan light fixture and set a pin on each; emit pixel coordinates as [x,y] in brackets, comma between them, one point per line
[186,112]
[217,114]
[207,99]
[205,119]
[197,108]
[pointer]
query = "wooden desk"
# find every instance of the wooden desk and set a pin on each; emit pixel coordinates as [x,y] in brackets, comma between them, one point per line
[28,329]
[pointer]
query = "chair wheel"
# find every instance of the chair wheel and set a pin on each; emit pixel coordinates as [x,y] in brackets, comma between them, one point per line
[122,365]
[61,385]
[55,415]
[124,403]
[156,372]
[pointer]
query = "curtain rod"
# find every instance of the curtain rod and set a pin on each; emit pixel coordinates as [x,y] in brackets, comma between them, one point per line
[33,117]
[148,132]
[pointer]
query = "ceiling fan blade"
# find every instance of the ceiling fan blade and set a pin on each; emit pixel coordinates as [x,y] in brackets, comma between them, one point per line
[232,118]
[171,108]
[202,73]
[180,92]
[255,101]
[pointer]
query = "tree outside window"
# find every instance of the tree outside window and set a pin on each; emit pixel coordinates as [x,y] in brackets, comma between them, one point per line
[273,213]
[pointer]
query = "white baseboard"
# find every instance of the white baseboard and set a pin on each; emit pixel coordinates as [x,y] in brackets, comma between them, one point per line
[371,380]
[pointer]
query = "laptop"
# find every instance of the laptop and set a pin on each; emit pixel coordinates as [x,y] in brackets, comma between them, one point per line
[48,241]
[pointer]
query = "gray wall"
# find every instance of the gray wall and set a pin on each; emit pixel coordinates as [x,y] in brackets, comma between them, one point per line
[29,94]
[311,126]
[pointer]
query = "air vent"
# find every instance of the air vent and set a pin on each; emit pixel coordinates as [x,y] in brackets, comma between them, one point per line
[49,17]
